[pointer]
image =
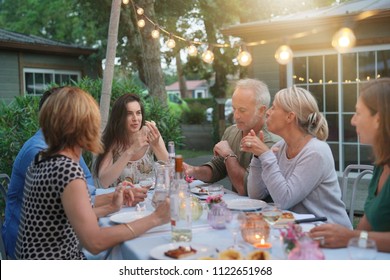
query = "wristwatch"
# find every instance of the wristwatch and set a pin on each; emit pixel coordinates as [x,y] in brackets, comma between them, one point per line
[363,235]
[228,156]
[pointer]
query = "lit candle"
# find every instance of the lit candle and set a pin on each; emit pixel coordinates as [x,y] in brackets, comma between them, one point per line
[262,244]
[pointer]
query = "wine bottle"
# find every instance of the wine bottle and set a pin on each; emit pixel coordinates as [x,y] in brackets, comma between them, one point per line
[181,212]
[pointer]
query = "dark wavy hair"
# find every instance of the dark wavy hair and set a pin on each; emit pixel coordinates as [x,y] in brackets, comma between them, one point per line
[376,96]
[115,135]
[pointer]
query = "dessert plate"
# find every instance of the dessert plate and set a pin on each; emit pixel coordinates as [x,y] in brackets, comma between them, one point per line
[127,217]
[157,253]
[245,204]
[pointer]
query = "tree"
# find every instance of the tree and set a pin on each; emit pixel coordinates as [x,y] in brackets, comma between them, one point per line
[110,61]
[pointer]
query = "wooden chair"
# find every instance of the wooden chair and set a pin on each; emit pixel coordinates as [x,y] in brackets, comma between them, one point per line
[362,170]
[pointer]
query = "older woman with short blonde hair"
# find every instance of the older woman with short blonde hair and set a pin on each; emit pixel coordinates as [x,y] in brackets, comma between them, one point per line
[298,172]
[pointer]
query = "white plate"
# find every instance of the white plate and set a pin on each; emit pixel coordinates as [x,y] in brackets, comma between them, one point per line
[245,204]
[198,190]
[157,253]
[127,217]
[204,189]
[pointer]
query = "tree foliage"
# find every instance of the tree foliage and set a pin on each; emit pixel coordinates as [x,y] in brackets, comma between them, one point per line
[85,22]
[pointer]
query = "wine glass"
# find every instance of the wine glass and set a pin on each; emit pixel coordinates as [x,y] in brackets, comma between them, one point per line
[233,224]
[272,213]
[362,249]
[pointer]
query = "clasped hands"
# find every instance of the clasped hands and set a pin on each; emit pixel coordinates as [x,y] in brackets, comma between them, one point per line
[128,195]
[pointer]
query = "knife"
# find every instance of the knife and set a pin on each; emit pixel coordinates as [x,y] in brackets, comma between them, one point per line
[311,220]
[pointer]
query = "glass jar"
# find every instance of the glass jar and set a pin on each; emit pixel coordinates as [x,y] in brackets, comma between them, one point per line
[254,228]
[217,215]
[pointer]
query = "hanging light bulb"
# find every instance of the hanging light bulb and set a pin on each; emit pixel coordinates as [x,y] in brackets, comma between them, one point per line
[140,11]
[208,56]
[343,40]
[125,2]
[244,58]
[171,42]
[155,32]
[283,54]
[192,50]
[141,22]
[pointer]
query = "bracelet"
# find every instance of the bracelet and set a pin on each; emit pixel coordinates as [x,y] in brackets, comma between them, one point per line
[229,156]
[131,229]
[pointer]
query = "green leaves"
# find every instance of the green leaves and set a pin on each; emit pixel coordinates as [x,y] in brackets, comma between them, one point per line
[19,122]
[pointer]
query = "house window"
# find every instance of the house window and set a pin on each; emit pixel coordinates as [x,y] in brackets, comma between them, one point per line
[199,94]
[36,81]
[334,79]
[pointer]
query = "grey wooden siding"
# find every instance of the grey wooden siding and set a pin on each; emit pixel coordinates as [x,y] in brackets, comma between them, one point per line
[9,75]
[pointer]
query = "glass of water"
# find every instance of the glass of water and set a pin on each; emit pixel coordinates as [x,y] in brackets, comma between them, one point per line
[362,249]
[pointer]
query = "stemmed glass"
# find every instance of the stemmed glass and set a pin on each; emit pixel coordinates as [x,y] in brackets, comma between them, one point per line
[272,213]
[233,224]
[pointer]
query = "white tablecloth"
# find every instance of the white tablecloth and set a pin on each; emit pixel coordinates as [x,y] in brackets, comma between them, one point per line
[202,233]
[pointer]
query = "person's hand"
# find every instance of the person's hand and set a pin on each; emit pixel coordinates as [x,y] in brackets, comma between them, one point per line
[188,169]
[140,141]
[162,212]
[331,235]
[134,195]
[118,197]
[222,148]
[153,135]
[254,144]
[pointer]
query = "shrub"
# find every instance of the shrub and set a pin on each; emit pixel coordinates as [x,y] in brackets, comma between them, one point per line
[19,119]
[196,114]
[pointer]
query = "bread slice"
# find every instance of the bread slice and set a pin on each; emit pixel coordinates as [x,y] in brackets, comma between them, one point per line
[180,252]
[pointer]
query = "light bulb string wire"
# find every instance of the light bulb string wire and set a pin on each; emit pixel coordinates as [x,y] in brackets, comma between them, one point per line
[236,44]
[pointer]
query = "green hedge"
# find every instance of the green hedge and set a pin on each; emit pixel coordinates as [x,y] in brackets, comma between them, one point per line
[19,119]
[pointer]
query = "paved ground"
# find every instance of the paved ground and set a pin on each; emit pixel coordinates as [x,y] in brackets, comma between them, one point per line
[361,192]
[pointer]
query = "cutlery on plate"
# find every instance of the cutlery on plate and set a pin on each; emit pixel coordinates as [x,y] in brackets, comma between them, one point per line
[311,220]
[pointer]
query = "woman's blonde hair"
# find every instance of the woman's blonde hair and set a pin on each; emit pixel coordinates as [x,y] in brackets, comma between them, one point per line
[71,118]
[304,105]
[376,96]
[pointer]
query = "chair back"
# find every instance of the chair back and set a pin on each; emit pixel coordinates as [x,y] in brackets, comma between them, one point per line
[4,182]
[361,170]
[3,255]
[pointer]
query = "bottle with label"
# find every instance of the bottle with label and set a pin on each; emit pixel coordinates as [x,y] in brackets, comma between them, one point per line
[181,211]
[171,152]
[171,161]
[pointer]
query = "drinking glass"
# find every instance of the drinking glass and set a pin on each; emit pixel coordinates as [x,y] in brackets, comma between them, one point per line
[271,213]
[161,186]
[215,189]
[233,224]
[362,249]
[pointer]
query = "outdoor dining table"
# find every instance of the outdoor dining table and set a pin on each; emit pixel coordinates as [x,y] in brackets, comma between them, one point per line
[216,240]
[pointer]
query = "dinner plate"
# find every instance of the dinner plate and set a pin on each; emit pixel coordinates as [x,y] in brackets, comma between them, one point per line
[245,204]
[127,217]
[205,189]
[157,253]
[200,190]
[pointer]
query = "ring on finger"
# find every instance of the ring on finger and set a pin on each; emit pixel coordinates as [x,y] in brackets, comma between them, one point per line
[321,239]
[248,144]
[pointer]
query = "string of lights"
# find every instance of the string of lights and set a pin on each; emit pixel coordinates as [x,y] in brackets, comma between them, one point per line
[342,41]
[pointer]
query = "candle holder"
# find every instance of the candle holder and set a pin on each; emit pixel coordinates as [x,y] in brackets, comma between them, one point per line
[254,228]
